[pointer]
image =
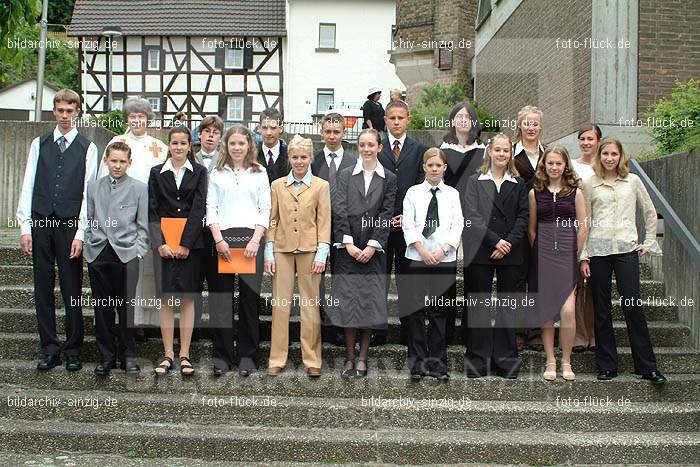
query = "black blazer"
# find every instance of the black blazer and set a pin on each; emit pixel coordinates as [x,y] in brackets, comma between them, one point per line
[190,201]
[319,167]
[494,216]
[281,167]
[408,169]
[525,170]
[461,166]
[363,217]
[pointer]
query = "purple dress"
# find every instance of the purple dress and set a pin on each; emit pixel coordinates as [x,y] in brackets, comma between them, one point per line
[553,258]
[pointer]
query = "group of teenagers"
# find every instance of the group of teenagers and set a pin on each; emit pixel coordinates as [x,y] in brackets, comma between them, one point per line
[542,223]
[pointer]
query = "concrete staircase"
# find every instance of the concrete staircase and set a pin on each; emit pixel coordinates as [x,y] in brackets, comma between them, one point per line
[384,418]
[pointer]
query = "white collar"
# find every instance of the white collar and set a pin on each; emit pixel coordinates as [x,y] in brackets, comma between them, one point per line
[426,186]
[519,147]
[168,165]
[392,139]
[70,136]
[230,169]
[462,149]
[338,153]
[507,177]
[203,153]
[275,149]
[379,169]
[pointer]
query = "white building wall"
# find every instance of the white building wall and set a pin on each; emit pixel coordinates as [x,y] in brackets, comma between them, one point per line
[363,39]
[23,97]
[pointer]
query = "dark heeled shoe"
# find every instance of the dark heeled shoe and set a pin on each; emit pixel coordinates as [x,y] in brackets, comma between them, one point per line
[362,373]
[348,373]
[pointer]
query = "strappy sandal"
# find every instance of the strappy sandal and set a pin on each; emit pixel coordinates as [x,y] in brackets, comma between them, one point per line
[550,375]
[362,373]
[186,368]
[162,366]
[348,372]
[567,374]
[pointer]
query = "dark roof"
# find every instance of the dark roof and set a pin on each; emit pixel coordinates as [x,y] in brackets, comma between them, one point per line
[180,18]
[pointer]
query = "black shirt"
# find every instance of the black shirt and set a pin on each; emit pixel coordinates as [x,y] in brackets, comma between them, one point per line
[374,112]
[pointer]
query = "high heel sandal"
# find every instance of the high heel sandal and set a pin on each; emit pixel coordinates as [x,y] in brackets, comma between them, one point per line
[568,375]
[348,372]
[162,366]
[186,368]
[362,373]
[550,375]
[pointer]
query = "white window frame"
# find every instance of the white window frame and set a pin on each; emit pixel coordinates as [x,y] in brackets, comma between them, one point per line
[153,54]
[155,103]
[236,64]
[321,26]
[230,110]
[324,92]
[117,103]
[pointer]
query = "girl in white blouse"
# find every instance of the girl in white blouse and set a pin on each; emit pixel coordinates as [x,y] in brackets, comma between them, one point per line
[238,214]
[612,197]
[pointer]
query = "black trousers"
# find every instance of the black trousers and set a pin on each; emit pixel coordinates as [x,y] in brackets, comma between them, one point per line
[429,288]
[221,317]
[113,286]
[396,259]
[491,334]
[51,243]
[626,267]
[210,261]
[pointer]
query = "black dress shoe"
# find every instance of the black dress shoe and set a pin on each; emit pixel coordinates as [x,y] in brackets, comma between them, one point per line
[218,371]
[607,375]
[245,372]
[103,369]
[507,374]
[73,363]
[417,375]
[49,362]
[655,377]
[440,375]
[130,366]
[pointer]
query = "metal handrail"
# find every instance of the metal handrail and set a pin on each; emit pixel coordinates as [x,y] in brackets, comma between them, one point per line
[671,219]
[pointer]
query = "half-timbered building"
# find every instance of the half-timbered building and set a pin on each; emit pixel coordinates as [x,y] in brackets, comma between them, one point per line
[196,56]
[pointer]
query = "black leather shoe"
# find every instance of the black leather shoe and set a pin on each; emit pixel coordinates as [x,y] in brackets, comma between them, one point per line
[440,375]
[655,377]
[103,369]
[607,375]
[507,375]
[245,372]
[49,362]
[73,363]
[417,375]
[218,371]
[130,367]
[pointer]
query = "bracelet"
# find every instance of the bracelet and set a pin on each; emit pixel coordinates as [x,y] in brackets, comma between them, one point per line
[219,241]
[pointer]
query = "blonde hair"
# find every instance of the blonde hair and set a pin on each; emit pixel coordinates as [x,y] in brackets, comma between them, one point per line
[524,112]
[303,144]
[432,152]
[486,166]
[623,167]
[68,96]
[250,158]
[570,178]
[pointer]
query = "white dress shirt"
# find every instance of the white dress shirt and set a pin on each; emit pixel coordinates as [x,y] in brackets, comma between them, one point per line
[415,210]
[275,151]
[179,174]
[506,178]
[24,209]
[367,176]
[238,199]
[339,156]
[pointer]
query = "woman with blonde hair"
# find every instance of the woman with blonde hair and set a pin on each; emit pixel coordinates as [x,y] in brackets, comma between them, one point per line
[238,214]
[298,242]
[557,209]
[613,196]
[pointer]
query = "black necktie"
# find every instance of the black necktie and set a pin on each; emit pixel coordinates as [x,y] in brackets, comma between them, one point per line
[332,172]
[270,164]
[432,220]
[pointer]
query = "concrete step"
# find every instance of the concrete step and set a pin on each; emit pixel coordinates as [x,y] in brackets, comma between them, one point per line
[21,346]
[23,275]
[663,333]
[225,442]
[273,410]
[655,309]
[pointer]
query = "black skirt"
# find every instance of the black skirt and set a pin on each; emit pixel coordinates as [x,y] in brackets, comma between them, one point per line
[180,277]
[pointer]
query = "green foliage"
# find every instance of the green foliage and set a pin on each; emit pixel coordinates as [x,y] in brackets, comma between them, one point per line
[437,101]
[113,121]
[61,66]
[60,11]
[14,16]
[675,122]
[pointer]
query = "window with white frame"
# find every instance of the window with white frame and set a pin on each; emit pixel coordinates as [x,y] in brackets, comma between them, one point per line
[326,36]
[117,103]
[324,100]
[153,60]
[155,103]
[234,108]
[234,58]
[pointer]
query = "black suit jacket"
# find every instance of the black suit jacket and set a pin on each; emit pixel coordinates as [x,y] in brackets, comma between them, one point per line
[281,167]
[525,170]
[494,216]
[408,169]
[320,169]
[362,217]
[166,200]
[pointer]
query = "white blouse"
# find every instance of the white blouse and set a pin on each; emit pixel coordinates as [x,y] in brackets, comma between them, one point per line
[238,199]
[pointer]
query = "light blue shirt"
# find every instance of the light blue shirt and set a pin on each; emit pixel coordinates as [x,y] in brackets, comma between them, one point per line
[322,249]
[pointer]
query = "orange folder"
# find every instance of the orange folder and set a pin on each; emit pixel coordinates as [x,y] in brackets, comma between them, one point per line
[238,264]
[172,228]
